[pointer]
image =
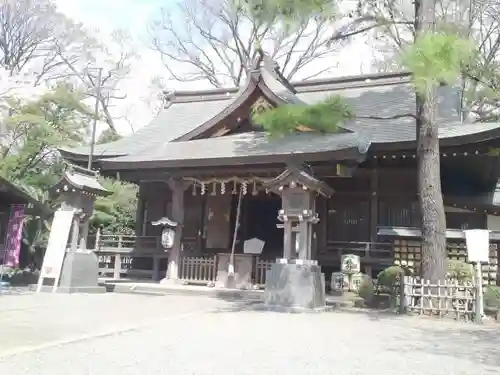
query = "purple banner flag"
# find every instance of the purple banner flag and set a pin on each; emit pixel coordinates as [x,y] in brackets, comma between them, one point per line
[14,235]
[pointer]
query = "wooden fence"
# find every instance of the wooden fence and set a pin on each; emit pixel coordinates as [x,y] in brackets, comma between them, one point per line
[198,270]
[444,299]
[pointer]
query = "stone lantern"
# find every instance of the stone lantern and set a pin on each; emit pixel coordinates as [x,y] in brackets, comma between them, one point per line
[298,190]
[68,265]
[296,281]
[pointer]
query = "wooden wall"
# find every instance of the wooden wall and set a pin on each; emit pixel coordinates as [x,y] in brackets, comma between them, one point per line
[373,197]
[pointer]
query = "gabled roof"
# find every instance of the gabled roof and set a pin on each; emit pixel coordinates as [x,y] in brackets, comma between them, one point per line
[293,173]
[82,180]
[179,135]
[187,114]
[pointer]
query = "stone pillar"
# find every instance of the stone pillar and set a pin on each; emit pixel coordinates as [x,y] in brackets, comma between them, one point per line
[288,244]
[178,187]
[84,235]
[75,234]
[304,244]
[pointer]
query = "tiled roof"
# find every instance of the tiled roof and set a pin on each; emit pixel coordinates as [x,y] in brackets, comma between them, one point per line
[230,148]
[176,120]
[167,138]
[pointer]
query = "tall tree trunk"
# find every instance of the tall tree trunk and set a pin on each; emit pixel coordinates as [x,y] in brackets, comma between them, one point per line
[433,220]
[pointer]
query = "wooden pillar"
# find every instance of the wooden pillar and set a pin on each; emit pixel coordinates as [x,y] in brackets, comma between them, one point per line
[374,202]
[156,268]
[178,188]
[139,214]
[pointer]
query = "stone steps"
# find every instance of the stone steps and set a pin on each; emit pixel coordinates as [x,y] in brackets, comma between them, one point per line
[226,294]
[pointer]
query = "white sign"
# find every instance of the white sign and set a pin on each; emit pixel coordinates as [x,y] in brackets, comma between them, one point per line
[253,246]
[478,245]
[56,247]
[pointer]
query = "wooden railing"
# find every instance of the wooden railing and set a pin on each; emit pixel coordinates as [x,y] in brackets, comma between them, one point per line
[143,257]
[126,262]
[370,253]
[112,241]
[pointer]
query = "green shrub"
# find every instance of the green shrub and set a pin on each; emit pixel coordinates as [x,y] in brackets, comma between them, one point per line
[492,297]
[387,279]
[460,271]
[19,277]
[366,289]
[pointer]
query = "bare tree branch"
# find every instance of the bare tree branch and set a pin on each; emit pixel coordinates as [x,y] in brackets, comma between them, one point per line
[116,66]
[473,18]
[216,42]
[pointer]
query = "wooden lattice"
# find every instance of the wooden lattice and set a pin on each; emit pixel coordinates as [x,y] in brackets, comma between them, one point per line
[407,253]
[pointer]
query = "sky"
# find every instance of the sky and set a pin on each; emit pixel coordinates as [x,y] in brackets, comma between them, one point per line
[134,16]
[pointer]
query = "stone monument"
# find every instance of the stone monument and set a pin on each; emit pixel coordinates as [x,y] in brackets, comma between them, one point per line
[295,282]
[68,265]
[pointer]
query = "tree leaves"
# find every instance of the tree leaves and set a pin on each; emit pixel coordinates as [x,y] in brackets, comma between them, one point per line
[36,128]
[323,117]
[116,212]
[437,58]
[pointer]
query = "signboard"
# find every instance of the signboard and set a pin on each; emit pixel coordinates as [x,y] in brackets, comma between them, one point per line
[478,245]
[56,247]
[253,246]
[14,236]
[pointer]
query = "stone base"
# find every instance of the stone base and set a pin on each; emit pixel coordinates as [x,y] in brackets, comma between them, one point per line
[295,286]
[69,290]
[80,274]
[292,310]
[166,281]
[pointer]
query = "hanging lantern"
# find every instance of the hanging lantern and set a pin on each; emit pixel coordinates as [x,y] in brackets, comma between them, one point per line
[168,231]
[167,238]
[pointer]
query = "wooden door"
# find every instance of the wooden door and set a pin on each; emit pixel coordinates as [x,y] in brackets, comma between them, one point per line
[348,220]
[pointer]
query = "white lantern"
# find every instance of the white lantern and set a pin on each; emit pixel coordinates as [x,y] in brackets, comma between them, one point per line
[168,231]
[167,238]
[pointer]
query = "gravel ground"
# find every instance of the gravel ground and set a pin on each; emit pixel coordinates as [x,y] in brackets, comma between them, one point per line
[130,334]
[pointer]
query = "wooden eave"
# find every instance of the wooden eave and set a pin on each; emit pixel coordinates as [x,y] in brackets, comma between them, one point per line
[17,195]
[481,140]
